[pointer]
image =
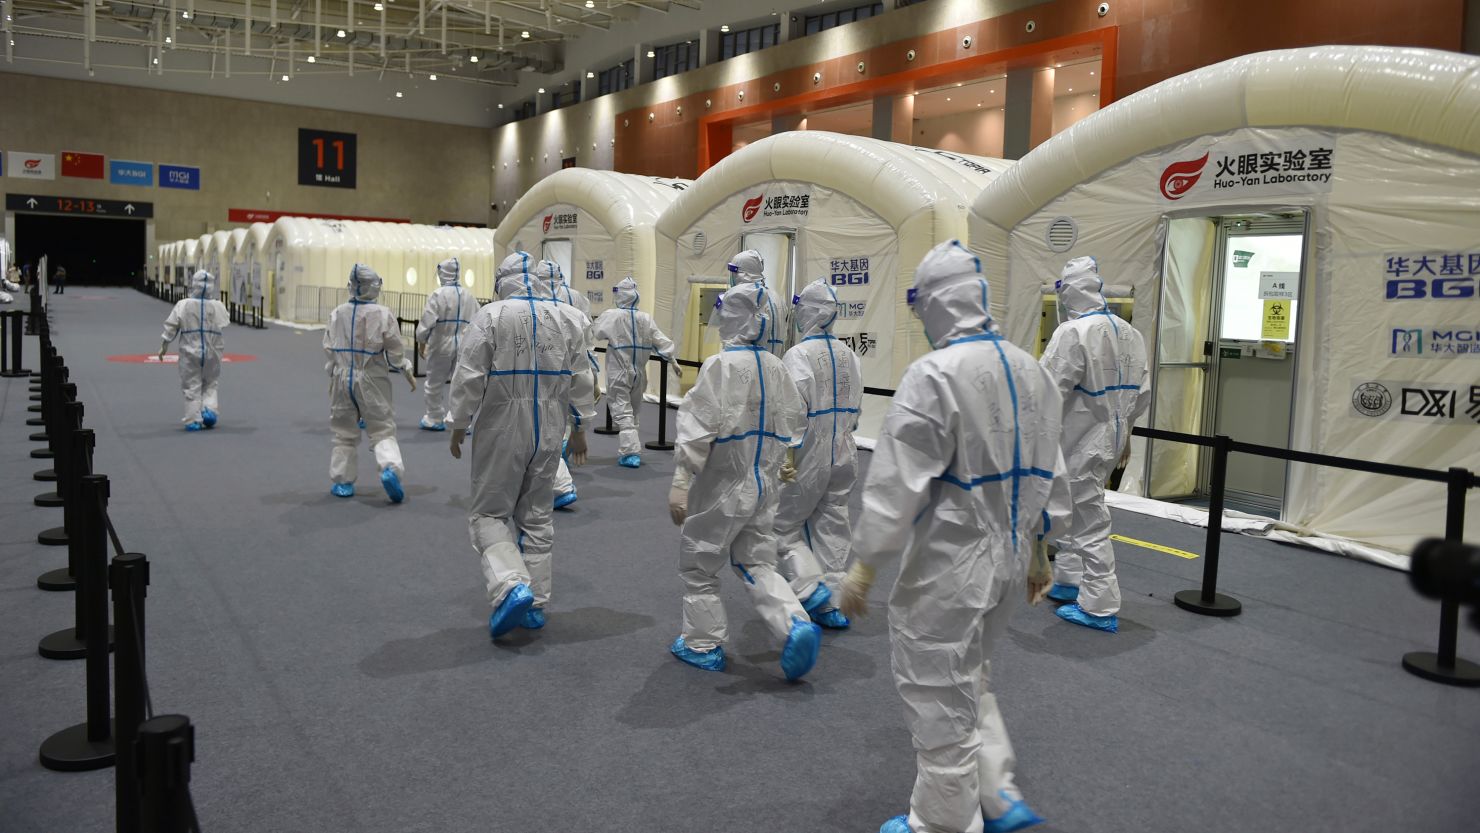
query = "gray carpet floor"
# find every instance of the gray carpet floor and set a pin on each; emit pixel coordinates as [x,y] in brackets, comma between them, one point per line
[334,654]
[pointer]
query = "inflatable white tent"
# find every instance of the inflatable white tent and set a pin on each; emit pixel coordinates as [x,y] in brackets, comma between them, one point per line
[1369,158]
[859,212]
[598,225]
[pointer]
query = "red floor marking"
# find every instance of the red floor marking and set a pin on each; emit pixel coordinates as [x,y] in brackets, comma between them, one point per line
[173,358]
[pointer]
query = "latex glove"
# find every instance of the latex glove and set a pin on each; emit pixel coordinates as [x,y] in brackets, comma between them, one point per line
[577,448]
[410,379]
[856,584]
[458,434]
[1040,575]
[678,502]
[788,467]
[422,349]
[164,347]
[1125,456]
[678,372]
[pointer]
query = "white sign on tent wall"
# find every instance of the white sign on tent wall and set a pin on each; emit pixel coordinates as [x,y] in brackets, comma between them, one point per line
[1279,286]
[1259,163]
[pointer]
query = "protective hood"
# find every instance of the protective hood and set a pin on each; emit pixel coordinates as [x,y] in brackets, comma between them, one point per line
[950,295]
[549,275]
[625,293]
[1081,290]
[740,315]
[514,277]
[364,283]
[447,271]
[816,308]
[748,267]
[202,285]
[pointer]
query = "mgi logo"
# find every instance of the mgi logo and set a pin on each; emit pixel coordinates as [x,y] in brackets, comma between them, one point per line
[849,271]
[852,309]
[1433,342]
[1436,275]
[559,222]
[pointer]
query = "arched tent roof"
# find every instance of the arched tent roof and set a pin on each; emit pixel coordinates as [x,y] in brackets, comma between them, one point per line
[1404,128]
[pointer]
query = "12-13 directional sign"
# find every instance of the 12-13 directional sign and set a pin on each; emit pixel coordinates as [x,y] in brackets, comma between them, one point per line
[38,204]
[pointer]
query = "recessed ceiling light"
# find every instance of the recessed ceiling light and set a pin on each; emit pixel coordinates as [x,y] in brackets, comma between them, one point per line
[992,91]
[156,60]
[285,78]
[590,4]
[312,59]
[590,74]
[339,34]
[380,7]
[185,15]
[473,58]
[1071,89]
[1091,72]
[434,76]
[524,34]
[724,27]
[167,38]
[978,104]
[958,83]
[501,106]
[541,91]
[398,94]
[652,54]
[948,98]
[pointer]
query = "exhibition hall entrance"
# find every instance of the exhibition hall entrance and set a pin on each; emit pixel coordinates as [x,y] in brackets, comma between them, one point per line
[1227,338]
[95,251]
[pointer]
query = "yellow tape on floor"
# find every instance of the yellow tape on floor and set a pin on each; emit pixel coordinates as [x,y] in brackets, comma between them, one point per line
[1158,547]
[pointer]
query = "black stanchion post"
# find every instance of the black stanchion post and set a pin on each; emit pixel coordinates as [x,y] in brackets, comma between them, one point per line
[165,751]
[15,369]
[42,382]
[49,400]
[5,343]
[90,745]
[1208,601]
[129,576]
[64,391]
[1444,666]
[57,536]
[76,462]
[608,429]
[68,419]
[662,443]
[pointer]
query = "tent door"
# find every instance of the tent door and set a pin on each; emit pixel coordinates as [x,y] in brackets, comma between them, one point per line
[779,255]
[559,251]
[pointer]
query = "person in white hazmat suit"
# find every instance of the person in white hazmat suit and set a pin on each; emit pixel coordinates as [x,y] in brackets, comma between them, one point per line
[449,310]
[198,321]
[812,528]
[966,478]
[549,276]
[734,430]
[517,372]
[1098,362]
[363,345]
[631,336]
[749,267]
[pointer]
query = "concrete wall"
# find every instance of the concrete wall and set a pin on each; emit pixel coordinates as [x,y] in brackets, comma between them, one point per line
[1068,109]
[976,132]
[247,152]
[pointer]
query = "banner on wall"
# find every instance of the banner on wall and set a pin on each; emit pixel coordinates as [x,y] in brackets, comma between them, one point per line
[26,165]
[179,176]
[83,165]
[130,173]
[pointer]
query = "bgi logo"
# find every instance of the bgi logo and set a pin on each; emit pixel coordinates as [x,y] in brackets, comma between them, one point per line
[850,279]
[1437,403]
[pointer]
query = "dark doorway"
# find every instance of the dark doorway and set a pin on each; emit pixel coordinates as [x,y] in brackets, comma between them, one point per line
[95,251]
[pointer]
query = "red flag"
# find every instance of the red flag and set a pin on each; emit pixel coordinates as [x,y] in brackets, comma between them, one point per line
[83,165]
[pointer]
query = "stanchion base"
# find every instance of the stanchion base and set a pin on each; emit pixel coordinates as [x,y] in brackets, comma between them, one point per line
[57,581]
[14,374]
[35,397]
[70,751]
[45,475]
[40,437]
[606,432]
[1426,664]
[41,454]
[34,421]
[48,500]
[657,446]
[35,409]
[54,537]
[1221,605]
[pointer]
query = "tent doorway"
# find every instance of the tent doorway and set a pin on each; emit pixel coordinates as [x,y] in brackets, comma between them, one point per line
[779,257]
[1226,359]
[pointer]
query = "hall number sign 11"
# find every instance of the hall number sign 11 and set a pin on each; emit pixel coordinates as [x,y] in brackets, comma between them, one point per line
[325,158]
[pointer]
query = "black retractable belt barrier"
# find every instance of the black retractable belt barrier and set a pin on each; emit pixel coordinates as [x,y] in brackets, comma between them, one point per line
[608,429]
[163,754]
[15,368]
[89,745]
[68,418]
[662,444]
[129,577]
[1208,601]
[57,536]
[41,382]
[71,643]
[1444,666]
[74,461]
[38,312]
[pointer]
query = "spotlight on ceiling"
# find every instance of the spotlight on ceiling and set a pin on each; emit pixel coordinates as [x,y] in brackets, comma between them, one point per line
[399,94]
[285,78]
[590,74]
[434,76]
[473,58]
[524,34]
[724,27]
[339,34]
[541,91]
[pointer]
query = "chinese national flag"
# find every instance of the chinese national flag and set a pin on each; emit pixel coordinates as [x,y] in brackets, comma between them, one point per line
[83,165]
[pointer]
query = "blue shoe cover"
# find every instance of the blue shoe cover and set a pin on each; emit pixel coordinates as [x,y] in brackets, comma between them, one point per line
[1074,613]
[194,426]
[562,501]
[342,490]
[817,602]
[1018,817]
[510,611]
[706,660]
[1064,593]
[432,426]
[208,417]
[392,485]
[832,620]
[362,425]
[898,824]
[800,653]
[629,461]
[534,619]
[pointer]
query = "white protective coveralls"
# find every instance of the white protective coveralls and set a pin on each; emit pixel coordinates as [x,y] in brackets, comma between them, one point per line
[749,267]
[516,371]
[548,275]
[632,336]
[812,528]
[363,344]
[965,474]
[734,428]
[198,322]
[1098,362]
[449,310]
